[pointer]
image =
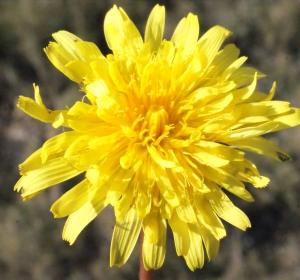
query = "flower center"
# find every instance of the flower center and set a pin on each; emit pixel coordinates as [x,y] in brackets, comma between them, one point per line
[154,126]
[156,119]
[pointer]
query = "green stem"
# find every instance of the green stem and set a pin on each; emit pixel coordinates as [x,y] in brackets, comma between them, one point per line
[144,274]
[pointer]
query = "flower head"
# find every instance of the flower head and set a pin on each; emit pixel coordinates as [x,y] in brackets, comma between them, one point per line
[160,136]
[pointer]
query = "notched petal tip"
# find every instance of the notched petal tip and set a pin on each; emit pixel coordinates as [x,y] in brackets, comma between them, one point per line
[67,240]
[21,101]
[260,181]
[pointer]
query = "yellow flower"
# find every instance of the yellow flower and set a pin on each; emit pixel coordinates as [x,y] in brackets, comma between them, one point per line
[159,134]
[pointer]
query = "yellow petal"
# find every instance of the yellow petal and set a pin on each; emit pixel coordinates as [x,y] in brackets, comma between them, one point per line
[270,109]
[247,171]
[120,32]
[194,177]
[112,174]
[233,67]
[244,76]
[123,205]
[210,43]
[181,234]
[222,205]
[223,59]
[204,157]
[143,204]
[109,142]
[208,218]
[33,162]
[79,154]
[59,57]
[98,88]
[246,132]
[71,55]
[83,118]
[37,96]
[210,242]
[151,227]
[186,34]
[118,77]
[60,120]
[39,112]
[165,210]
[79,69]
[167,51]
[261,146]
[195,256]
[227,181]
[124,238]
[222,122]
[144,181]
[78,220]
[93,174]
[154,253]
[71,201]
[287,120]
[142,60]
[220,150]
[68,40]
[88,51]
[120,194]
[134,156]
[100,69]
[158,158]
[271,93]
[155,27]
[165,186]
[51,173]
[58,144]
[186,211]
[188,80]
[242,94]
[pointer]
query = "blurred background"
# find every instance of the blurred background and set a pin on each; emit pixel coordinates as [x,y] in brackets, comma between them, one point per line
[30,238]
